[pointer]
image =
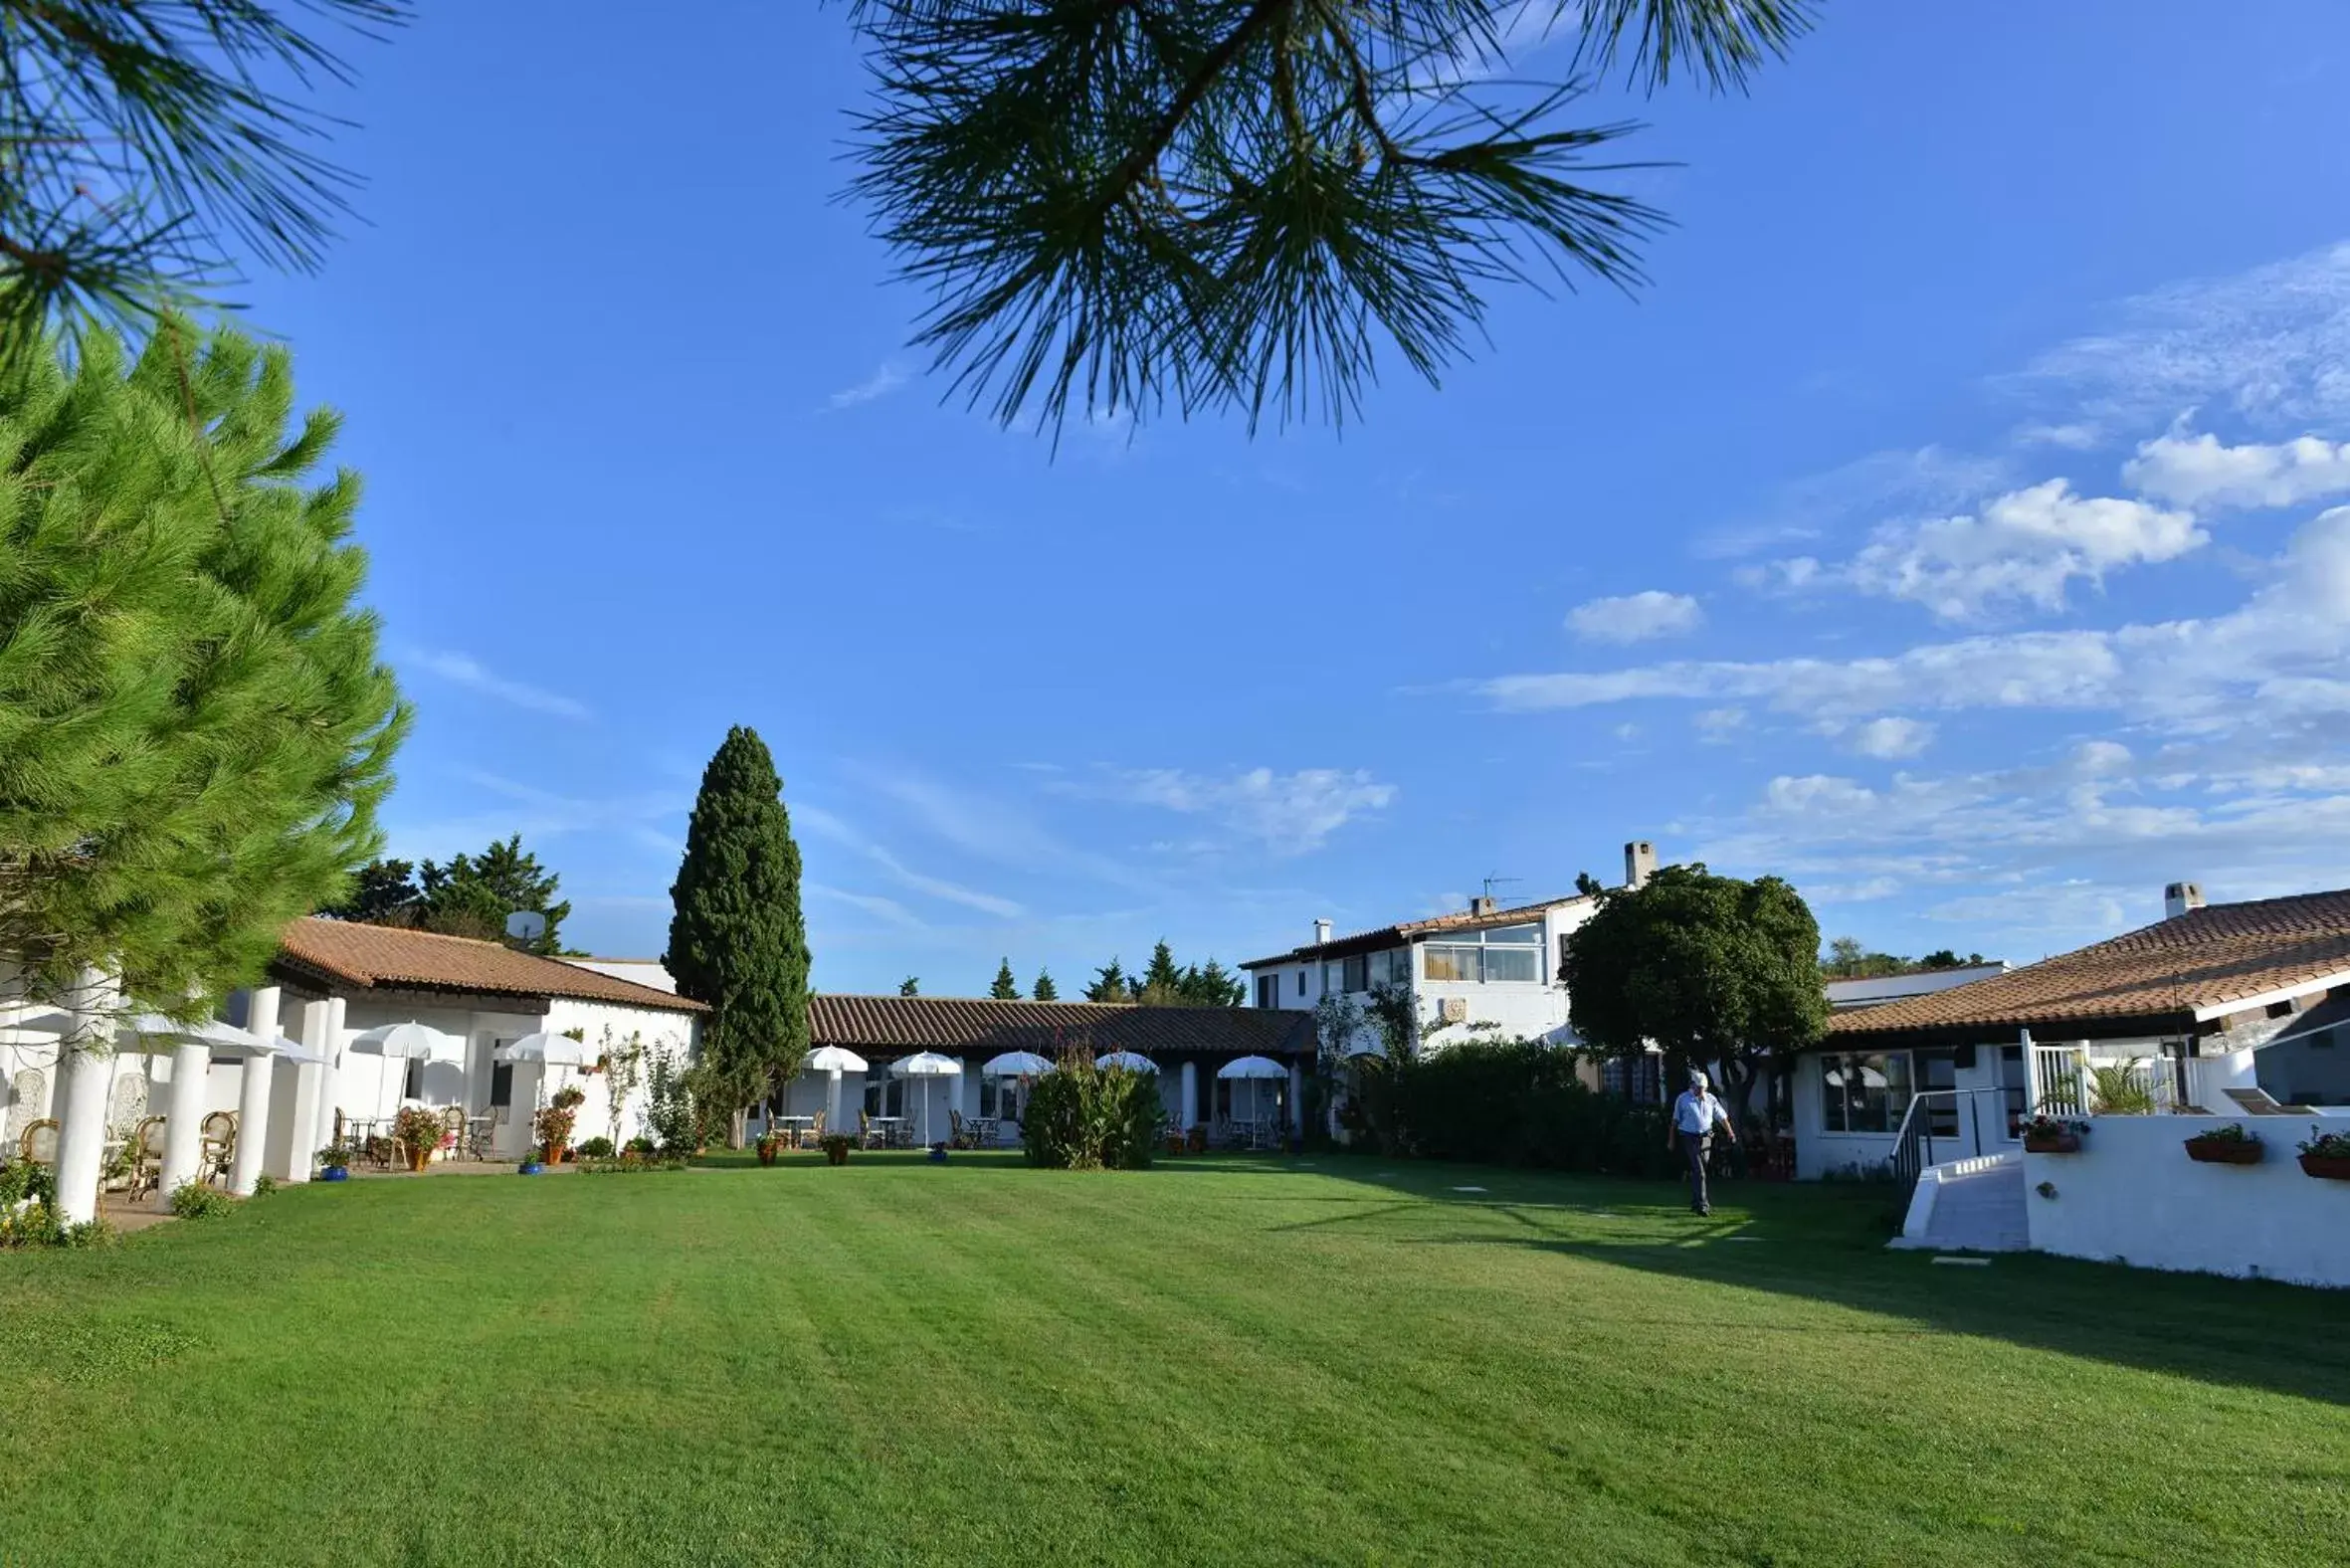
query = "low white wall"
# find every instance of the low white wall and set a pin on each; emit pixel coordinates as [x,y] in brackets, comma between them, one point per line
[2133,1196]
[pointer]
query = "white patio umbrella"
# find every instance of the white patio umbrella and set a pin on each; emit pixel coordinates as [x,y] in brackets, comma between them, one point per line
[407,1041]
[1131,1060]
[1254,1070]
[1016,1063]
[831,1062]
[210,1032]
[927,1064]
[548,1050]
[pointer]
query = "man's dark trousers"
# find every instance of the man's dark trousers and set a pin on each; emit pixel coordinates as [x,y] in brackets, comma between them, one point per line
[1696,1149]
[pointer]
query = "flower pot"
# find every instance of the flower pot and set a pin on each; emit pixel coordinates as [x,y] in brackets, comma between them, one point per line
[419,1158]
[2061,1143]
[342,1172]
[2326,1167]
[938,1155]
[2214,1151]
[836,1156]
[766,1154]
[531,1168]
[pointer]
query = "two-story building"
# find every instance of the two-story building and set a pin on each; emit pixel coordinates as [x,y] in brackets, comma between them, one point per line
[1489,971]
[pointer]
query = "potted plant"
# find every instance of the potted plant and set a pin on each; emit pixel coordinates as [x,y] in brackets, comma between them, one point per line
[835,1148]
[938,1155]
[769,1145]
[2326,1156]
[1197,1140]
[2228,1145]
[531,1166]
[335,1163]
[2045,1134]
[417,1133]
[553,1128]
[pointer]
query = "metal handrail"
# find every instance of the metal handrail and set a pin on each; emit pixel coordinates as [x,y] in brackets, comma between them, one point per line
[1914,1143]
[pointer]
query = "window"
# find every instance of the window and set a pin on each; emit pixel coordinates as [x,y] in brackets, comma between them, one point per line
[1000,1097]
[1355,973]
[1268,990]
[1393,967]
[1300,982]
[1865,1092]
[1503,953]
[412,1087]
[1939,1069]
[501,1085]
[884,1097]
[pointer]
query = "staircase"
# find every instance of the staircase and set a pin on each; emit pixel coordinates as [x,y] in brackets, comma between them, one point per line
[1970,1206]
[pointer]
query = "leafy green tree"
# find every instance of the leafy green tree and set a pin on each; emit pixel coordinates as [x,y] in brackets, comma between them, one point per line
[738,941]
[909,986]
[1710,968]
[195,732]
[1235,203]
[1161,984]
[1110,984]
[472,894]
[142,141]
[1045,990]
[1212,985]
[1005,988]
[383,892]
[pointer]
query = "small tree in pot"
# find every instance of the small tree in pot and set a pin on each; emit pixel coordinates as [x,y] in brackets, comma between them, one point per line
[417,1131]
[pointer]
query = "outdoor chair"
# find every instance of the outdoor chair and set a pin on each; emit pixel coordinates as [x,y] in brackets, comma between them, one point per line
[39,1143]
[146,1158]
[956,1137]
[219,1142]
[453,1130]
[815,1132]
[2259,1103]
[864,1130]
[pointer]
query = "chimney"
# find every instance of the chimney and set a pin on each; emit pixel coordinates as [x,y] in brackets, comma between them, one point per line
[2179,897]
[1640,862]
[1483,904]
[1322,932]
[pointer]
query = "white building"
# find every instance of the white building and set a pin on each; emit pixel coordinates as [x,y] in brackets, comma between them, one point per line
[330,981]
[1491,971]
[2213,1015]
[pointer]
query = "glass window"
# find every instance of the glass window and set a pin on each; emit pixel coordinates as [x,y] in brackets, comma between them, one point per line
[884,1097]
[1000,1097]
[1300,982]
[1268,990]
[412,1087]
[1355,973]
[1393,967]
[1447,962]
[1513,963]
[1865,1092]
[1520,934]
[501,1085]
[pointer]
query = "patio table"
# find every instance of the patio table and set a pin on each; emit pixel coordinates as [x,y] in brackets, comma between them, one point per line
[889,1129]
[796,1129]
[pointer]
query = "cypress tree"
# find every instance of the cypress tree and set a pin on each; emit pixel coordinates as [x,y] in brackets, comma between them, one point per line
[1005,989]
[1046,991]
[195,732]
[738,941]
[911,985]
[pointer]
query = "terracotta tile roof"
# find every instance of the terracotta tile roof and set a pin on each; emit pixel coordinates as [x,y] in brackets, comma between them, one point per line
[1413,930]
[2159,977]
[350,954]
[982,1027]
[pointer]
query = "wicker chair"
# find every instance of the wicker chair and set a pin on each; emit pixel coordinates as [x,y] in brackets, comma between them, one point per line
[864,1130]
[815,1130]
[217,1145]
[146,1157]
[955,1135]
[453,1130]
[39,1143]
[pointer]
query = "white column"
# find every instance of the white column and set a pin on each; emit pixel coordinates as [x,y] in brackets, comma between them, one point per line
[1191,1095]
[2033,1088]
[832,1102]
[86,1076]
[183,1122]
[302,1143]
[969,1083]
[331,1082]
[253,1121]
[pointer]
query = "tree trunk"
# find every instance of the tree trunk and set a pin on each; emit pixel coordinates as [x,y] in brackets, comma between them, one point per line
[737,1126]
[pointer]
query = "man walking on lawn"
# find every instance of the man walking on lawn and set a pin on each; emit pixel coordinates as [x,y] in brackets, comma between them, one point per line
[1694,1116]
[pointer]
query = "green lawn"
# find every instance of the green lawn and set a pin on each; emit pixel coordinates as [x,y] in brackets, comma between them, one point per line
[1212,1362]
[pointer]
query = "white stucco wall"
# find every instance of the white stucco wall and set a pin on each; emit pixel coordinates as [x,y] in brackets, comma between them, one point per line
[2133,1196]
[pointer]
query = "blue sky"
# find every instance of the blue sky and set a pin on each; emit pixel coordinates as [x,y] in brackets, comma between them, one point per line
[1944,528]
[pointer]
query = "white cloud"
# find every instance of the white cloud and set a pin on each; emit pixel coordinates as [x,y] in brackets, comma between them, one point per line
[1636,618]
[890,909]
[2197,471]
[1930,478]
[1719,725]
[2274,654]
[885,380]
[465,671]
[1288,813]
[2273,344]
[2025,546]
[824,823]
[1889,739]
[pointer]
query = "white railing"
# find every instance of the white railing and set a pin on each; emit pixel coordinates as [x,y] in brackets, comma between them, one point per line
[2067,1077]
[1979,1128]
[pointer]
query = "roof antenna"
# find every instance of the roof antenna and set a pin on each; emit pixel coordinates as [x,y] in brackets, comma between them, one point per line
[1496,881]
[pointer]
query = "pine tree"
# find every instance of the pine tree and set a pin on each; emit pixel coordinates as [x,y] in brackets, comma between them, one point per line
[140,137]
[1045,990]
[1005,989]
[909,986]
[1110,985]
[195,732]
[1161,984]
[1236,203]
[738,941]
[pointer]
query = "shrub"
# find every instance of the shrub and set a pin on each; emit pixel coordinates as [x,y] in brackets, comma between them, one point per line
[2326,1146]
[670,1114]
[2234,1132]
[629,1164]
[639,1144]
[595,1149]
[2122,1091]
[569,1098]
[1080,1117]
[418,1127]
[192,1199]
[553,1128]
[264,1185]
[1512,1102]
